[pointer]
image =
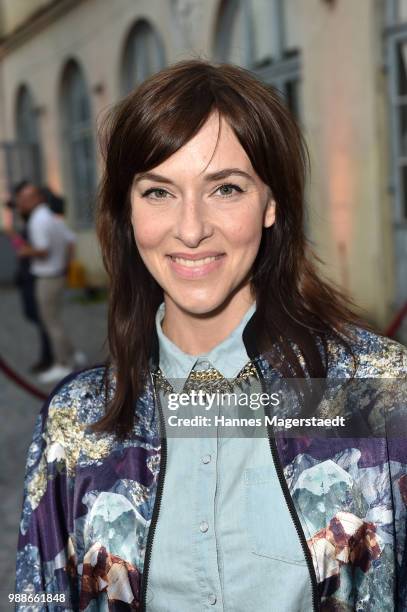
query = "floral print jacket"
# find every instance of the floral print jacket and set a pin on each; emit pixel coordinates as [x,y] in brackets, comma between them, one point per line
[91,502]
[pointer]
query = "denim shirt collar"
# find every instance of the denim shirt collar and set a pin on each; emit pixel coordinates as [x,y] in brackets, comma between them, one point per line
[228,357]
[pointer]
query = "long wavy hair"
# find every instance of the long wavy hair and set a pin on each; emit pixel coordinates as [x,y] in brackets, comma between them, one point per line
[296,308]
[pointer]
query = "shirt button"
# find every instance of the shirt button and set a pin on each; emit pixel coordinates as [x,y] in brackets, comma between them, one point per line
[212,599]
[206,459]
[204,526]
[204,364]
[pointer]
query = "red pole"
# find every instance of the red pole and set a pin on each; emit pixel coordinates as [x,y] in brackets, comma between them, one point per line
[21,382]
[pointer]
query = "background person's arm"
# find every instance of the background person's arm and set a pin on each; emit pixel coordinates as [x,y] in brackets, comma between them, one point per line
[26,250]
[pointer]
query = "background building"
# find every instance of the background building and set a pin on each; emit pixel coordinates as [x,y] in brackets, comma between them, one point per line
[341,66]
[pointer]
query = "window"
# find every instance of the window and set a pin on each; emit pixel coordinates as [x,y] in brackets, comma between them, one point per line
[143,55]
[235,39]
[26,149]
[400,103]
[78,143]
[251,33]
[398,100]
[396,60]
[396,10]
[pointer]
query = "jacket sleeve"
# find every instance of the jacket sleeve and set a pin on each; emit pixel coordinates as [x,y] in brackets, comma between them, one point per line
[398,475]
[396,431]
[46,576]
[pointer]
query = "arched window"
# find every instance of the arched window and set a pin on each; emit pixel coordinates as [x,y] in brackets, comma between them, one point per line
[235,36]
[78,143]
[27,146]
[143,55]
[396,56]
[252,34]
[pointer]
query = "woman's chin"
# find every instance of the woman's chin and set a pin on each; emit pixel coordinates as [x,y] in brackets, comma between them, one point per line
[198,305]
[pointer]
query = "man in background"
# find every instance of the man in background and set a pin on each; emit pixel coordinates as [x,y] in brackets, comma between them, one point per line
[50,247]
[26,284]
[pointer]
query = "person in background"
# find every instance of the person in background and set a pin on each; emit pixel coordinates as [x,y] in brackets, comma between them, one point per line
[50,246]
[25,281]
[55,202]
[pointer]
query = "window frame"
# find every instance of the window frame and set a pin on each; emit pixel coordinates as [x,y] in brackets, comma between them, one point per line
[71,135]
[396,33]
[126,86]
[286,66]
[25,153]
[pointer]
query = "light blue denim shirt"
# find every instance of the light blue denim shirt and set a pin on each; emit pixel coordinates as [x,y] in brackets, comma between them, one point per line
[224,538]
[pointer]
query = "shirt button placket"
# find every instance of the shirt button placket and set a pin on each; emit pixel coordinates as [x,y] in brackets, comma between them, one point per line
[205,507]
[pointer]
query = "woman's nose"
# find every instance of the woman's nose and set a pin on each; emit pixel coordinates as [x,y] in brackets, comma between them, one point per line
[193,224]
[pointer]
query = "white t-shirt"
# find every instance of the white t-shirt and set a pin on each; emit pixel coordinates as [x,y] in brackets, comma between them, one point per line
[47,231]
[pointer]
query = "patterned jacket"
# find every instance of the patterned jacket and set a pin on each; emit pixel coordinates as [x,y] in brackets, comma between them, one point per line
[91,502]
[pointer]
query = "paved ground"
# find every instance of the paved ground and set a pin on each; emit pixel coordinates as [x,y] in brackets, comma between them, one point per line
[18,410]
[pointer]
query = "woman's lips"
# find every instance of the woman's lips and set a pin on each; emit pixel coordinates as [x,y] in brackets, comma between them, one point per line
[195,268]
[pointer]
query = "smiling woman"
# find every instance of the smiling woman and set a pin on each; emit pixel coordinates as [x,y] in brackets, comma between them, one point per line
[214,291]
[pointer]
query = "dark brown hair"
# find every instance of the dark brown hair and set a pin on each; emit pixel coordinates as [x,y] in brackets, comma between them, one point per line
[295,306]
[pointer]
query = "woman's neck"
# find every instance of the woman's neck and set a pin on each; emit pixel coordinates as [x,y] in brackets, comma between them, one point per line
[198,334]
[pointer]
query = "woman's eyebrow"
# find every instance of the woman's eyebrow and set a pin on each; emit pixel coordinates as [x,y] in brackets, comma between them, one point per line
[152,176]
[222,174]
[212,176]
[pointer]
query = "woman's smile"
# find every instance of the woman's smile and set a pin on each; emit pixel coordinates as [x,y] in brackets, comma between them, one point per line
[195,266]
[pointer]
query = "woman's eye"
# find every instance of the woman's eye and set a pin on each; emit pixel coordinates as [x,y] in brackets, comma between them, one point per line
[156,193]
[228,190]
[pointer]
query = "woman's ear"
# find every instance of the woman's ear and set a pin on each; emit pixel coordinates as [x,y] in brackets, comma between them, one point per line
[270,212]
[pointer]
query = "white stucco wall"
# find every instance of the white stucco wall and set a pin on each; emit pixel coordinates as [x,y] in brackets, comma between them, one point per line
[344,96]
[346,127]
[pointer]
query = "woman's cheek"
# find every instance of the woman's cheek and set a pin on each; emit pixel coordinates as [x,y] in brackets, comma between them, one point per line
[246,234]
[146,234]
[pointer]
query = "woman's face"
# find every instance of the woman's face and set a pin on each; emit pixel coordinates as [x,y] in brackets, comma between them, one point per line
[198,219]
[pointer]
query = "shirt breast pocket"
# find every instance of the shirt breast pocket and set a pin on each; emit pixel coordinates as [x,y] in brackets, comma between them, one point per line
[270,528]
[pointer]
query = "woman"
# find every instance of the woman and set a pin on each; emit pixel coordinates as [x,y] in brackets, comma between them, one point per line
[213,287]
